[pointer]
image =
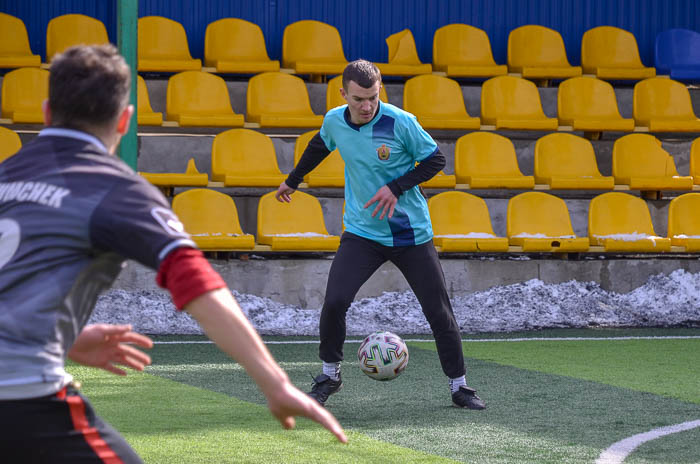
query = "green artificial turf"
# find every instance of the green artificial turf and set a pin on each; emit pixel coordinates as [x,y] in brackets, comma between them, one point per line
[537,411]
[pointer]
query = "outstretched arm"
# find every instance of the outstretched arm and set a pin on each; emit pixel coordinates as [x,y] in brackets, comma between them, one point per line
[224,323]
[106,345]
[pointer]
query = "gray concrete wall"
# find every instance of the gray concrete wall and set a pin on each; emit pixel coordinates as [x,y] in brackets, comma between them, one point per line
[301,282]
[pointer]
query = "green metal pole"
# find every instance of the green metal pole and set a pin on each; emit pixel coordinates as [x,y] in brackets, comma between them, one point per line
[127,33]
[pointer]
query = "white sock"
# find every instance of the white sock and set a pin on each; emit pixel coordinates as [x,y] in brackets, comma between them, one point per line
[456,383]
[332,370]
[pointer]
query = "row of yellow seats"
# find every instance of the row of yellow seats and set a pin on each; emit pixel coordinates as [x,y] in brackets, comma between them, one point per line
[483,160]
[540,222]
[536,222]
[274,99]
[233,45]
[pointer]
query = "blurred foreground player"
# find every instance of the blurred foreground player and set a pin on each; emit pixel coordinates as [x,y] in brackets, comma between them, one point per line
[70,215]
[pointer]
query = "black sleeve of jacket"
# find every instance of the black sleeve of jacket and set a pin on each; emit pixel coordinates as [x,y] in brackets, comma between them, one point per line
[316,151]
[425,170]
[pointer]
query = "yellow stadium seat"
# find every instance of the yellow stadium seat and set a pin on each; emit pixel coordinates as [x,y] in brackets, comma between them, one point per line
[403,56]
[488,160]
[461,223]
[537,52]
[245,158]
[509,102]
[144,113]
[23,92]
[294,226]
[211,218]
[540,222]
[612,53]
[275,99]
[10,143]
[621,222]
[589,104]
[460,50]
[566,161]
[233,45]
[334,99]
[695,161]
[438,103]
[73,29]
[190,178]
[162,46]
[14,44]
[639,161]
[684,221]
[329,173]
[440,181]
[313,47]
[663,105]
[197,98]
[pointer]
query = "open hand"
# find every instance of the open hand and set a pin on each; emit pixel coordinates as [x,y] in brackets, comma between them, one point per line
[386,201]
[104,345]
[287,401]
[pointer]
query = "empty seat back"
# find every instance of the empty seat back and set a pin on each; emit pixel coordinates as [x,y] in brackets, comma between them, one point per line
[695,160]
[201,95]
[211,218]
[588,98]
[616,214]
[564,155]
[277,94]
[459,214]
[486,155]
[10,143]
[297,225]
[659,98]
[14,44]
[144,113]
[461,44]
[311,41]
[641,155]
[402,48]
[334,99]
[512,98]
[434,96]
[538,215]
[245,157]
[162,46]
[684,221]
[609,47]
[23,92]
[73,29]
[329,173]
[237,41]
[535,46]
[676,48]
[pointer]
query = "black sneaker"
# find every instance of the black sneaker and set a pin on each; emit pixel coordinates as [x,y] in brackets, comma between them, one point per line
[466,398]
[324,387]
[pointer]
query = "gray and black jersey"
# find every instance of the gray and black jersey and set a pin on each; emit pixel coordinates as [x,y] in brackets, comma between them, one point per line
[70,215]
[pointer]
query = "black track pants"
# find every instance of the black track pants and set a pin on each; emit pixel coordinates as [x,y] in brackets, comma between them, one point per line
[356,260]
[60,428]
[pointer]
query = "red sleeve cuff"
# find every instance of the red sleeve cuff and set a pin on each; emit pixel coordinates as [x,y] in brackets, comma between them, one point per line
[187,274]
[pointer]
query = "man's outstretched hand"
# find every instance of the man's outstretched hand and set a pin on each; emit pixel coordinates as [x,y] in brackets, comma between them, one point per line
[106,345]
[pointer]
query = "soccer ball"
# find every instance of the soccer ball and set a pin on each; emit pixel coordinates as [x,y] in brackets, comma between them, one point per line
[383,355]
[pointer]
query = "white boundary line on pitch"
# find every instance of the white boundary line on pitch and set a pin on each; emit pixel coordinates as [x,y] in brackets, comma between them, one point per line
[474,340]
[619,451]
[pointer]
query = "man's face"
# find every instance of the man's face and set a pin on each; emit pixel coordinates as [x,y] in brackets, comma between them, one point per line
[362,102]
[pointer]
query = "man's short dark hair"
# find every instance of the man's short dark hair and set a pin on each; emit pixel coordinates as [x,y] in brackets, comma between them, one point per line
[364,73]
[89,86]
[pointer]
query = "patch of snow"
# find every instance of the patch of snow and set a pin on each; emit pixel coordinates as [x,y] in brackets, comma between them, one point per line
[469,235]
[540,235]
[665,300]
